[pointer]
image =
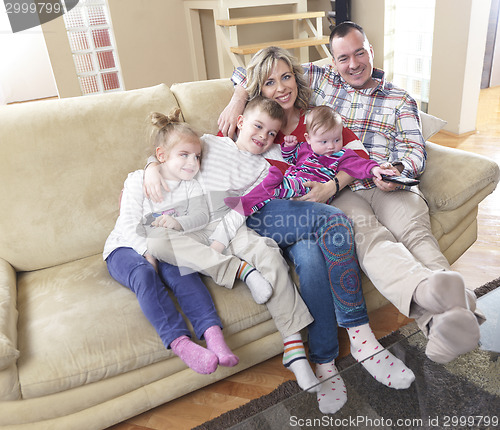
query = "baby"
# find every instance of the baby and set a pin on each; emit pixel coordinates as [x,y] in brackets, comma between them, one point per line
[317,159]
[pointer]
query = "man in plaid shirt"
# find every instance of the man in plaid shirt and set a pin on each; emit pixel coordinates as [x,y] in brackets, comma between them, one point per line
[394,242]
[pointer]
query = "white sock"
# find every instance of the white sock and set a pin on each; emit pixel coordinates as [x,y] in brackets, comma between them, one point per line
[259,287]
[294,358]
[383,366]
[332,394]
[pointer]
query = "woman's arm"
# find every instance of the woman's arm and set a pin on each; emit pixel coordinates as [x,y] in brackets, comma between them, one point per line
[229,116]
[321,192]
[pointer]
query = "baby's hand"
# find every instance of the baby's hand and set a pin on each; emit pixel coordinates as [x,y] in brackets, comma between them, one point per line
[290,141]
[167,221]
[377,171]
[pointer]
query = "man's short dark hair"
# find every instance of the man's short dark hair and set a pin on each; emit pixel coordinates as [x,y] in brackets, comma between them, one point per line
[343,29]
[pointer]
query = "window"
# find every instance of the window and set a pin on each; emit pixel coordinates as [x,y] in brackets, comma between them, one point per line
[92,43]
[408,40]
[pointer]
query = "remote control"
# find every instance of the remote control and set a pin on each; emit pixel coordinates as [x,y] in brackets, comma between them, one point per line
[401,180]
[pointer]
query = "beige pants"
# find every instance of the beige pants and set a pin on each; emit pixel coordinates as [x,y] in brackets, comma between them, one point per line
[394,243]
[288,310]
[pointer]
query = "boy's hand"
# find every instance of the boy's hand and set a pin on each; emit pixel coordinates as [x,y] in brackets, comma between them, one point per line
[290,141]
[167,221]
[154,182]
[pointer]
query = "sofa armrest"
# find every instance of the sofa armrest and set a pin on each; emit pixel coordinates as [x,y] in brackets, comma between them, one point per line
[8,315]
[453,177]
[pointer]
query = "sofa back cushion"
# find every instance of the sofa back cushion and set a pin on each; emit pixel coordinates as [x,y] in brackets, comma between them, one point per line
[202,102]
[62,166]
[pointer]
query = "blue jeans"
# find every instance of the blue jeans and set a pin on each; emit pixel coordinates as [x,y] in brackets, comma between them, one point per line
[319,240]
[133,271]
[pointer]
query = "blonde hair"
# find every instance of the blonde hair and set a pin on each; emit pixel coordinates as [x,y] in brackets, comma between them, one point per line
[262,64]
[322,117]
[268,106]
[167,130]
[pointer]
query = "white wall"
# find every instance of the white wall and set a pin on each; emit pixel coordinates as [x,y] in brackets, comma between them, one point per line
[495,67]
[459,43]
[25,71]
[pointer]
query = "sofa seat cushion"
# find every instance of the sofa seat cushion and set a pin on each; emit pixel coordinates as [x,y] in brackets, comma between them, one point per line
[77,326]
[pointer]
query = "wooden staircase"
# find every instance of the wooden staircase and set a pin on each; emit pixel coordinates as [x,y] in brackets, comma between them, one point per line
[230,52]
[309,35]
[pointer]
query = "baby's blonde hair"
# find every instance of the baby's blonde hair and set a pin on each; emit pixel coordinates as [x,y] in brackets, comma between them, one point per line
[168,129]
[322,117]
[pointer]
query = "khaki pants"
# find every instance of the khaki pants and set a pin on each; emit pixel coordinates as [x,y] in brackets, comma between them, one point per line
[286,307]
[394,243]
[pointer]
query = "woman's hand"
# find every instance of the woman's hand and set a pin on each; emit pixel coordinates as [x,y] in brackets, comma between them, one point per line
[167,221]
[229,116]
[320,192]
[154,182]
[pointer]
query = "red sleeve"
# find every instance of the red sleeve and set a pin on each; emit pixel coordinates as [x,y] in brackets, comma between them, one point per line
[348,136]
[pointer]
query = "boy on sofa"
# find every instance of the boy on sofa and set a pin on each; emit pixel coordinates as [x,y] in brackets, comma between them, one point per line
[231,168]
[130,263]
[317,159]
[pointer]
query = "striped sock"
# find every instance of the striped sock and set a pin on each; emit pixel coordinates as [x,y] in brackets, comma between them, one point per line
[294,359]
[259,287]
[244,270]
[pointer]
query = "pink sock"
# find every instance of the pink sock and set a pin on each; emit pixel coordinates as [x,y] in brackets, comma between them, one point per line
[216,343]
[199,359]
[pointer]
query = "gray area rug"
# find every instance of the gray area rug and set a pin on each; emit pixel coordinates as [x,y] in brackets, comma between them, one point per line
[462,394]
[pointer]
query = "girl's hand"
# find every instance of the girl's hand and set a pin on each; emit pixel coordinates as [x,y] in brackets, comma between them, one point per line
[320,192]
[167,221]
[229,117]
[290,141]
[377,171]
[151,260]
[154,182]
[218,246]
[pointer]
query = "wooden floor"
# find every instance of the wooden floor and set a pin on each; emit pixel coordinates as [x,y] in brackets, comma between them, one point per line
[480,264]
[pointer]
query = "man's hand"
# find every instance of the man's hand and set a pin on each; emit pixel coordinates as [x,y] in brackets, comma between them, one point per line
[387,186]
[377,171]
[229,117]
[154,182]
[167,221]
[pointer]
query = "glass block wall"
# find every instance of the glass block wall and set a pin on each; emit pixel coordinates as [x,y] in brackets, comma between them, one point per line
[92,44]
[408,46]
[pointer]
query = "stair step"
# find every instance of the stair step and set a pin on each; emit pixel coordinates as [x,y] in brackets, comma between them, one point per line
[286,44]
[269,18]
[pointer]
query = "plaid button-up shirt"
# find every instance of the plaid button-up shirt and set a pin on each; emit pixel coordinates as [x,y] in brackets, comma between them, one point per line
[384,118]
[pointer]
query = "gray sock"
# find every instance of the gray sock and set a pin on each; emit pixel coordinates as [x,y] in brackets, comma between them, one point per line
[451,334]
[441,292]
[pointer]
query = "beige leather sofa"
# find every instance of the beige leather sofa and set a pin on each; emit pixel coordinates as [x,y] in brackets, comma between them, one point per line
[76,351]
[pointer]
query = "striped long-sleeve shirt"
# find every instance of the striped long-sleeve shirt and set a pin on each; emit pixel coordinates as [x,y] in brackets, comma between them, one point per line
[226,171]
[384,118]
